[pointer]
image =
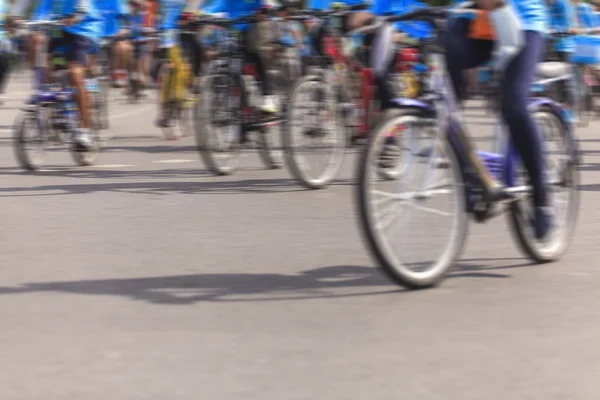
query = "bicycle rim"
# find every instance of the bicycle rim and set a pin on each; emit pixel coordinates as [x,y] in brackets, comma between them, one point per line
[435,250]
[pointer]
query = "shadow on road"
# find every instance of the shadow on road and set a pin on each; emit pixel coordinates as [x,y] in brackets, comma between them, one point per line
[338,281]
[326,282]
[245,186]
[158,149]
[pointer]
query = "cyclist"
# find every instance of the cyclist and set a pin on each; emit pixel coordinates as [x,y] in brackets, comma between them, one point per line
[191,42]
[171,12]
[35,42]
[290,34]
[4,49]
[258,38]
[520,30]
[586,23]
[82,29]
[115,14]
[139,10]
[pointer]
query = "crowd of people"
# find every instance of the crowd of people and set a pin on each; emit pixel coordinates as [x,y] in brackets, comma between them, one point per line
[86,26]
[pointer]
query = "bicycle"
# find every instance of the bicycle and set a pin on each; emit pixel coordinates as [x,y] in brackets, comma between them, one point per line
[52,116]
[321,106]
[440,145]
[228,109]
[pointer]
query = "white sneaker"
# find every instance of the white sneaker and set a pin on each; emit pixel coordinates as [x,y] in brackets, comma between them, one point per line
[83,139]
[269,105]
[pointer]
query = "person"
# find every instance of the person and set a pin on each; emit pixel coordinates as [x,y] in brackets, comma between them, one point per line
[290,35]
[140,62]
[258,37]
[4,48]
[35,41]
[585,24]
[115,14]
[171,12]
[520,28]
[191,42]
[82,30]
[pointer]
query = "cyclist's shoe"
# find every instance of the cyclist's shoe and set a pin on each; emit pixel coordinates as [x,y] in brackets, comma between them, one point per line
[83,140]
[269,105]
[542,222]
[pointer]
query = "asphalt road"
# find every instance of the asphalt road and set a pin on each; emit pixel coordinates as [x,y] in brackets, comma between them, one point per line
[144,277]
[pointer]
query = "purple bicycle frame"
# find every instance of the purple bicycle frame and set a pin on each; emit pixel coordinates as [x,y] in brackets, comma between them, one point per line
[502,166]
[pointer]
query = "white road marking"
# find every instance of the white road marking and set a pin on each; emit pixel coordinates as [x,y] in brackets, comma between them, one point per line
[176,161]
[113,166]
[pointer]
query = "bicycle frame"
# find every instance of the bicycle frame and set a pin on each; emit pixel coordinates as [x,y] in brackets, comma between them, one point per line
[445,110]
[368,111]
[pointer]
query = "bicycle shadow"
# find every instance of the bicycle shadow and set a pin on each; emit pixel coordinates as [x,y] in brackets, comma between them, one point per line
[240,186]
[327,282]
[318,283]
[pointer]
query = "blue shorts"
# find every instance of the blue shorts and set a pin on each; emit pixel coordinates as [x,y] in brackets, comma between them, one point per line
[94,49]
[75,47]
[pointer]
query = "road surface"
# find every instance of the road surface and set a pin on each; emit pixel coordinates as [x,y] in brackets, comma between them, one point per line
[144,277]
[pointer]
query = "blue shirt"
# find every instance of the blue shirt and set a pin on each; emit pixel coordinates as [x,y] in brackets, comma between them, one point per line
[170,11]
[136,22]
[234,8]
[532,14]
[416,29]
[91,25]
[585,16]
[562,18]
[112,11]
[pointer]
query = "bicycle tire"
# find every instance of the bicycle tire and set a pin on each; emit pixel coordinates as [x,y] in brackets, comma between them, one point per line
[207,140]
[19,131]
[294,161]
[519,221]
[378,247]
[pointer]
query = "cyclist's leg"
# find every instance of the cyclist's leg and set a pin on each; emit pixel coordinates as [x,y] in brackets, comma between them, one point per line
[38,44]
[93,59]
[4,72]
[519,76]
[163,87]
[141,55]
[175,87]
[121,60]
[463,53]
[77,59]
[182,72]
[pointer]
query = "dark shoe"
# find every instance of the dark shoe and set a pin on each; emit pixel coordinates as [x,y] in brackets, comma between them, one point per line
[542,222]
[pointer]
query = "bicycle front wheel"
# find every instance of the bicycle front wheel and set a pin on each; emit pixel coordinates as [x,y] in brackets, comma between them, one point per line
[30,139]
[414,223]
[314,138]
[218,128]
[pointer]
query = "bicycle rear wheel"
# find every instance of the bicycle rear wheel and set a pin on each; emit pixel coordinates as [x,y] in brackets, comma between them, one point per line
[313,117]
[561,156]
[218,127]
[431,175]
